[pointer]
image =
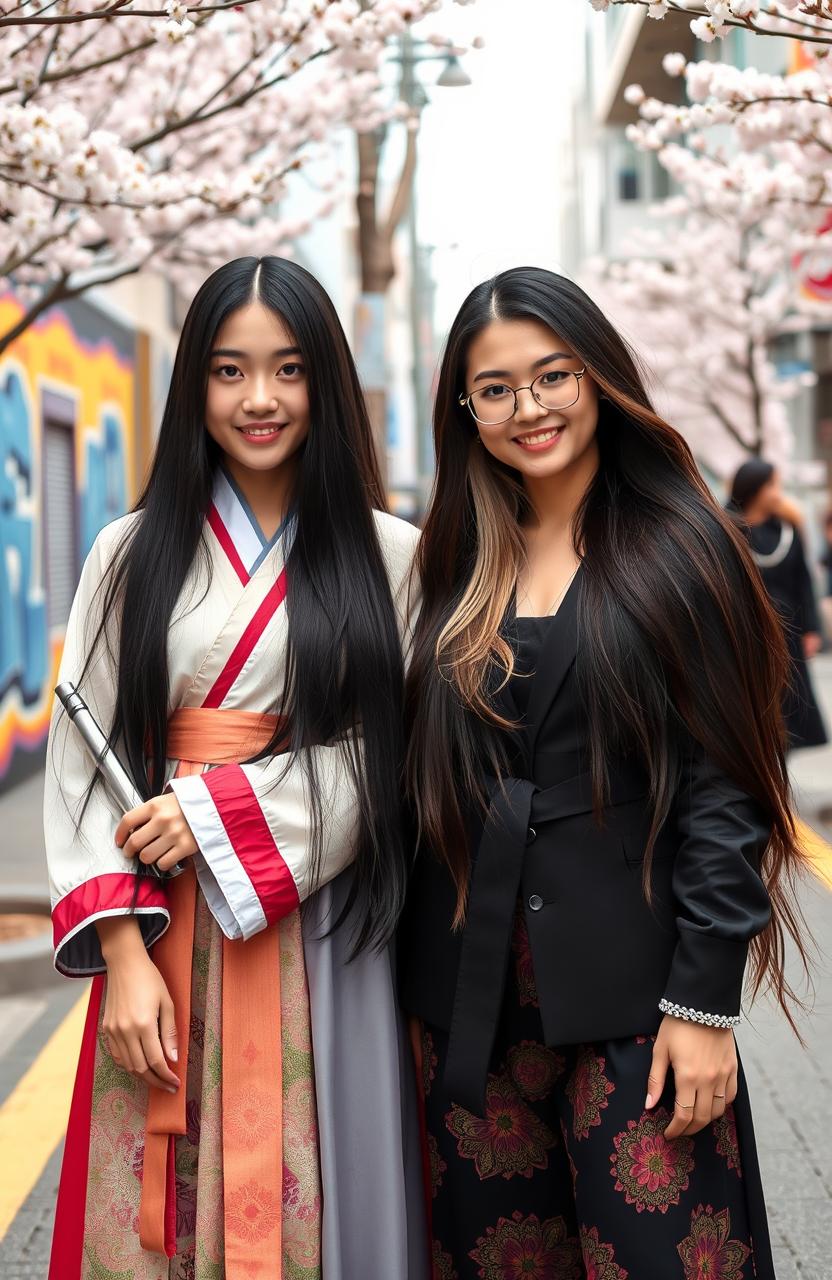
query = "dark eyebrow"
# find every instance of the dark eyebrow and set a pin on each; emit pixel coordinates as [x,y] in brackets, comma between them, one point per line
[504,373]
[243,355]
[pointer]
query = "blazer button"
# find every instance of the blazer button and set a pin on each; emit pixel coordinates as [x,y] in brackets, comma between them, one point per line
[531,835]
[535,902]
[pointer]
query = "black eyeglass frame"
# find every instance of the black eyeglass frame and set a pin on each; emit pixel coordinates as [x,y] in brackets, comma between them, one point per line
[466,400]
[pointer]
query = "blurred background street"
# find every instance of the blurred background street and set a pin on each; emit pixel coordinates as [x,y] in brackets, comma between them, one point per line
[673,157]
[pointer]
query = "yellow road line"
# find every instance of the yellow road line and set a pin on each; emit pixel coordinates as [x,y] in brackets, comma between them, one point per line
[819,852]
[33,1118]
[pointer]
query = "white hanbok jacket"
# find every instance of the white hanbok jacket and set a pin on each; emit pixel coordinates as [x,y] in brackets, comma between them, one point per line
[252,822]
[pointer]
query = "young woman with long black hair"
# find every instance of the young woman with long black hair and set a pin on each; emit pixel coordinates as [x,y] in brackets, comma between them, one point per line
[237,1074]
[596,761]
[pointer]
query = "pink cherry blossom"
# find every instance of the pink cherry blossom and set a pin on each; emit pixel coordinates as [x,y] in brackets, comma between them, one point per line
[712,20]
[168,141]
[715,279]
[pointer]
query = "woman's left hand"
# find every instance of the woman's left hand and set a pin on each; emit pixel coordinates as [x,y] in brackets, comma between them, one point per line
[704,1062]
[157,832]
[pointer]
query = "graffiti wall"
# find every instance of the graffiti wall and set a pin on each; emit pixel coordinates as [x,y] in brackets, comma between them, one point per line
[67,459]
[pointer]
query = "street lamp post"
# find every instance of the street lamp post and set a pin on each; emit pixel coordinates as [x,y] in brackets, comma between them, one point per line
[376,232]
[412,93]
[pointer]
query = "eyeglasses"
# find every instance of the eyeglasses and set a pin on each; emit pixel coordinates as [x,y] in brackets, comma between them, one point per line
[553,389]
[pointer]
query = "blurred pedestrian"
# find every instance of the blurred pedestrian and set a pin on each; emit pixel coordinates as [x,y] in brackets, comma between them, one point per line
[826,564]
[596,761]
[239,1108]
[767,518]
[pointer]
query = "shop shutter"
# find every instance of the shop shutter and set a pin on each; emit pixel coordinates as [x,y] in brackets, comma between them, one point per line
[59,521]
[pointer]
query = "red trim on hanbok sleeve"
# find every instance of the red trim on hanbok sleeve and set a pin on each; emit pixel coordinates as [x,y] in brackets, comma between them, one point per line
[252,840]
[113,891]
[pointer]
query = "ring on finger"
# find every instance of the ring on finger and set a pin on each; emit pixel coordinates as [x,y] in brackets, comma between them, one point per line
[720,1096]
[686,1106]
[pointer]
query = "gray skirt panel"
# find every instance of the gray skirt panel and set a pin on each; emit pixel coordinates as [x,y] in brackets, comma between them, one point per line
[374,1221]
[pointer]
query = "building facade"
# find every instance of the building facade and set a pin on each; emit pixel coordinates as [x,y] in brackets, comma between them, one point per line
[80,397]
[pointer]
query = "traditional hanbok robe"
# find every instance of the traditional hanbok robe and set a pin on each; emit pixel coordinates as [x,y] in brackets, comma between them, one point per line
[292,1147]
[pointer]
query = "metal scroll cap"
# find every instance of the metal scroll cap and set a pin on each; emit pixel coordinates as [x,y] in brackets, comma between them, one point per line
[70,698]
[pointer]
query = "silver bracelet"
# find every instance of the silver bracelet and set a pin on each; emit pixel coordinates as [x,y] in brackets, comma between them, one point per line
[696,1015]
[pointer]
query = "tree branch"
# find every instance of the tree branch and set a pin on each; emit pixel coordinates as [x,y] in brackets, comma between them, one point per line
[116,10]
[727,424]
[47,299]
[240,101]
[745,24]
[13,262]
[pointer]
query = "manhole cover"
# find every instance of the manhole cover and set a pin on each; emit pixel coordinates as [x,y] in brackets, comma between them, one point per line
[15,925]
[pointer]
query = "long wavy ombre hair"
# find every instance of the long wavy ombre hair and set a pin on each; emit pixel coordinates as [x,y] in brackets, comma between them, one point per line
[677,638]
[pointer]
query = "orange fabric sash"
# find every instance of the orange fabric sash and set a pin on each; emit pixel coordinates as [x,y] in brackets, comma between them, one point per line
[251,1038]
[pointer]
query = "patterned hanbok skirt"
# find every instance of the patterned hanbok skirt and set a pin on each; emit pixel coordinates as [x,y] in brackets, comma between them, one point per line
[568,1177]
[119,1106]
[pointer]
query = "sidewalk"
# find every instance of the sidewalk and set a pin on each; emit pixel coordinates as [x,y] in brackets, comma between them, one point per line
[791,1088]
[812,769]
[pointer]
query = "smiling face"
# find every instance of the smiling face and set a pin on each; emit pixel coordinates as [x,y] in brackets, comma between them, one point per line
[537,441]
[257,400]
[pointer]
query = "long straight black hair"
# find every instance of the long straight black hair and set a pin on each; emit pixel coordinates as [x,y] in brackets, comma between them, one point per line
[677,636]
[344,664]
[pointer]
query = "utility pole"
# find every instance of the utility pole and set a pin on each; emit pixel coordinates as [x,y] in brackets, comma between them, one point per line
[376,235]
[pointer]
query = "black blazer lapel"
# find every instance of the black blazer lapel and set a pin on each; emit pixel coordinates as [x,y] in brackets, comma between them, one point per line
[557,655]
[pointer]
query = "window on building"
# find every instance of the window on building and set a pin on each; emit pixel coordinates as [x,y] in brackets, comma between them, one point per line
[627,168]
[628,183]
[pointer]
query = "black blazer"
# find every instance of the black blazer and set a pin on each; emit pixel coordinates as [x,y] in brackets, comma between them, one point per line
[602,957]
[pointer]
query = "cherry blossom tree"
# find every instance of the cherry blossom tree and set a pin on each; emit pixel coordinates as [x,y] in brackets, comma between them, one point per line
[710,294]
[702,306]
[806,20]
[136,136]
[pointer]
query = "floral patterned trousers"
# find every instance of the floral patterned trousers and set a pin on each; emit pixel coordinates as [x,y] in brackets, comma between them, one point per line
[566,1176]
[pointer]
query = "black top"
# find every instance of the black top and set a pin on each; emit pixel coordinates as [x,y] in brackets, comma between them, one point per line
[785,574]
[526,635]
[826,561]
[603,957]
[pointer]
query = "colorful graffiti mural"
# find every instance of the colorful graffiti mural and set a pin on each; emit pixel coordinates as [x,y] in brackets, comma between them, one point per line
[71,375]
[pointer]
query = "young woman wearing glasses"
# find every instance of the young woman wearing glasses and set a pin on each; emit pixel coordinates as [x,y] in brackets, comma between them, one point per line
[596,762]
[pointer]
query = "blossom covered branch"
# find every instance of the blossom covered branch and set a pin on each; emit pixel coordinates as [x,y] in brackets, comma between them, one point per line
[807,20]
[166,138]
[710,292]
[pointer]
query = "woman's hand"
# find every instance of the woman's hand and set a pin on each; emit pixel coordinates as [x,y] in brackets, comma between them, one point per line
[157,832]
[704,1062]
[138,1012]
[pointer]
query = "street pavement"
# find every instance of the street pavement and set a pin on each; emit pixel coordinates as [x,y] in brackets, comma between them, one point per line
[791,1086]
